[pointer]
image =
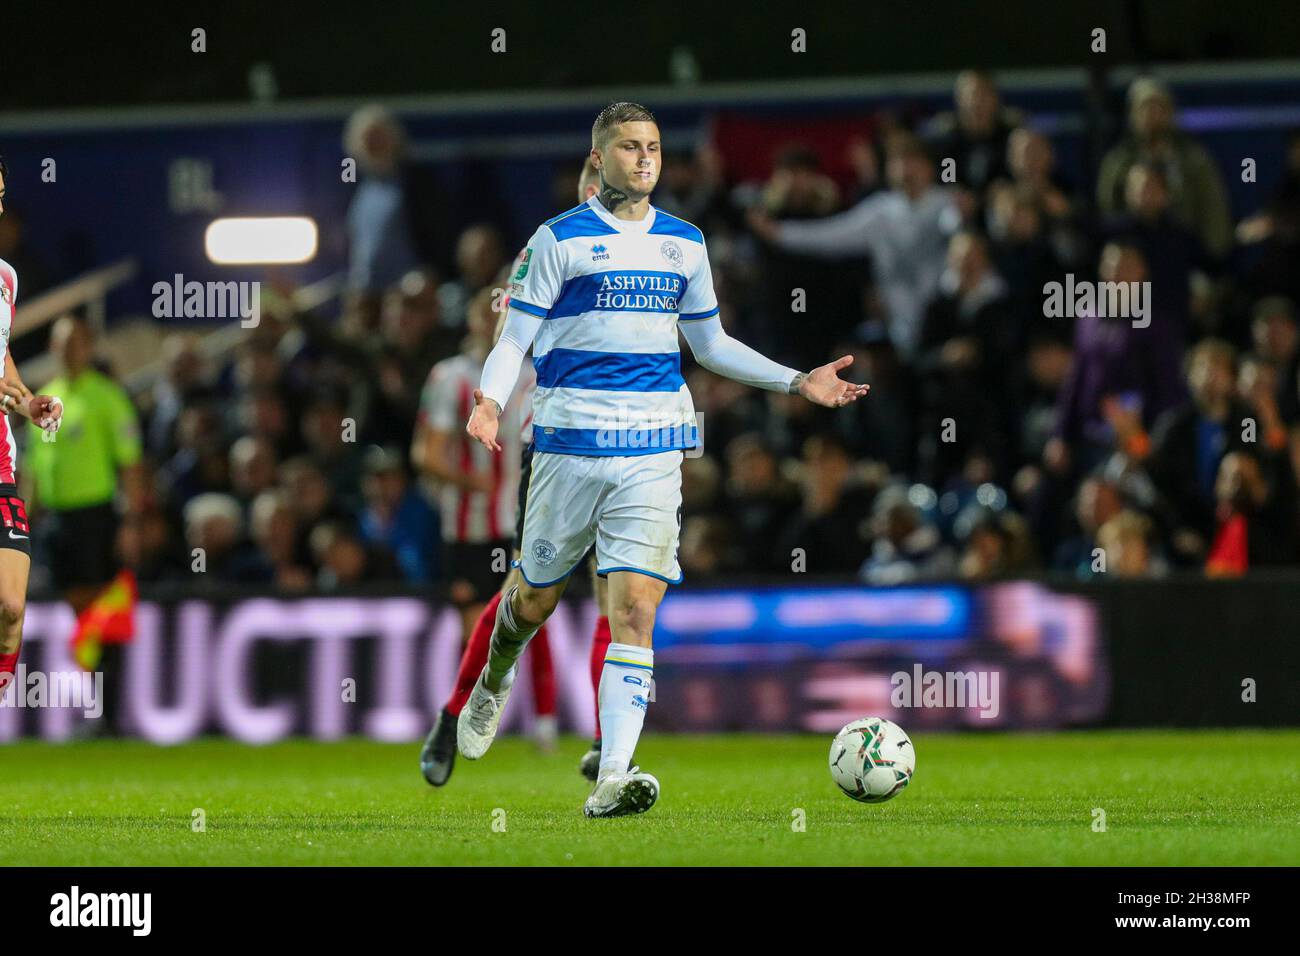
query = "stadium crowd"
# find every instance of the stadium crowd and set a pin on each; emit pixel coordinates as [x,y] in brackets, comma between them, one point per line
[998,439]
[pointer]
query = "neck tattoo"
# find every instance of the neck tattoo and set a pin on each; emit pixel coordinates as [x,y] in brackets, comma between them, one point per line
[612,197]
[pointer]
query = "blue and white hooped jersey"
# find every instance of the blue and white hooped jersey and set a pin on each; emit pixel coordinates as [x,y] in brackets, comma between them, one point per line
[610,294]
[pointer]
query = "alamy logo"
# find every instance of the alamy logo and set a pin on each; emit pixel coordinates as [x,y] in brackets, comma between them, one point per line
[208,300]
[599,253]
[74,690]
[1106,300]
[957,689]
[103,909]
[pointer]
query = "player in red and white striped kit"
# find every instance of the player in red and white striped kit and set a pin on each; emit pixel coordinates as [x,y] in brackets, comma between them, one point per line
[15,533]
[477,500]
[438,755]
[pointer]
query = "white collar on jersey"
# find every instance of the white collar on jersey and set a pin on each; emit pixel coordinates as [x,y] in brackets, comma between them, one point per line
[622,225]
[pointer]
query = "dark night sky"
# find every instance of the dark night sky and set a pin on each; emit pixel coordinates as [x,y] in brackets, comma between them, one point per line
[126,55]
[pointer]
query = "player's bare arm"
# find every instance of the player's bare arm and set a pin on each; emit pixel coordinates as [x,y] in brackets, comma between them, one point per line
[431,454]
[45,410]
[718,352]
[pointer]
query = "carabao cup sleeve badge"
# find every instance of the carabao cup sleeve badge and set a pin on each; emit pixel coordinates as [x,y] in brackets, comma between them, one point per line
[523,264]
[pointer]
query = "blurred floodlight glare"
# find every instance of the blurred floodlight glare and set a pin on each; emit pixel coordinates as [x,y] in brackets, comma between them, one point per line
[254,239]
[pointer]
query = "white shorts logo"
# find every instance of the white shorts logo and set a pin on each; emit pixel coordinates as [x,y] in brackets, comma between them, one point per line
[672,252]
[543,551]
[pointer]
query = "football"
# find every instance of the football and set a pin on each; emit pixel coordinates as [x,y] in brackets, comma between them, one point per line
[872,759]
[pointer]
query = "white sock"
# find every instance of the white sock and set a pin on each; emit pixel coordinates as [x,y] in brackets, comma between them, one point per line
[509,638]
[624,695]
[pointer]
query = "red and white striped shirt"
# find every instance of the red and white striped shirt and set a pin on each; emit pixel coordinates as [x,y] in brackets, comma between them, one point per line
[476,517]
[8,298]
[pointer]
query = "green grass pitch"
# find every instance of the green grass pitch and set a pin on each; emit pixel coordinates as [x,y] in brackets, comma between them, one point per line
[1227,797]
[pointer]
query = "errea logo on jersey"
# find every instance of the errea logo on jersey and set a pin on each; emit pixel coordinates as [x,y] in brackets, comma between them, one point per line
[599,253]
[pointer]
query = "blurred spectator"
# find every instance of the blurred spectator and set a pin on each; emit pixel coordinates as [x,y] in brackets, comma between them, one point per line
[1197,196]
[1097,502]
[1126,541]
[149,548]
[759,500]
[252,467]
[214,533]
[344,560]
[966,324]
[706,548]
[1124,376]
[799,190]
[826,530]
[329,437]
[995,545]
[905,229]
[182,382]
[395,216]
[1256,518]
[975,134]
[415,338]
[1023,251]
[275,532]
[1190,441]
[967,340]
[311,500]
[1172,250]
[906,547]
[262,413]
[397,518]
[380,223]
[480,255]
[1035,383]
[1276,229]
[701,484]
[200,463]
[691,187]
[1276,337]
[1031,165]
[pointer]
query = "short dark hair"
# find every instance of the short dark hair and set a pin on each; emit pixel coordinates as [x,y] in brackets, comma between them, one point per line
[4,170]
[798,156]
[590,175]
[614,114]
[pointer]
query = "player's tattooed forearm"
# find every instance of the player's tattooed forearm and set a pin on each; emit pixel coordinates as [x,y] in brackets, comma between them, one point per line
[610,197]
[796,382]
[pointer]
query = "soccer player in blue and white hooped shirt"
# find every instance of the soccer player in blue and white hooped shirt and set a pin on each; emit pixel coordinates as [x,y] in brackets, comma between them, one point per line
[599,296]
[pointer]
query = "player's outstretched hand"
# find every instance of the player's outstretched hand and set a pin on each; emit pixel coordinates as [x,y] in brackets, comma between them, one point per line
[46,411]
[823,385]
[483,421]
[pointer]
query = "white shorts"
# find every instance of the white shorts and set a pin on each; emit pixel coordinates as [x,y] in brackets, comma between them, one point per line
[629,505]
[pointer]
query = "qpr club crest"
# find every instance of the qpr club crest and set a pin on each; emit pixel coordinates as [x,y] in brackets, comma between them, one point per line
[543,551]
[673,253]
